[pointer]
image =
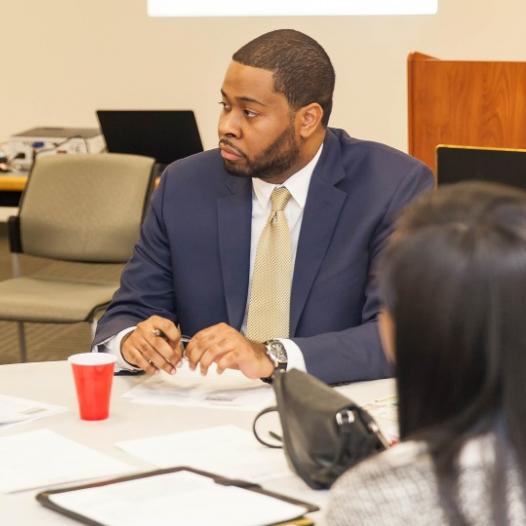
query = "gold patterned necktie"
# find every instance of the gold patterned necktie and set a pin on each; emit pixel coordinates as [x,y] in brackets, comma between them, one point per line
[269,305]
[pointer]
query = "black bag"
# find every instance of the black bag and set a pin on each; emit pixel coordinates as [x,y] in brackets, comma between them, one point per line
[324,432]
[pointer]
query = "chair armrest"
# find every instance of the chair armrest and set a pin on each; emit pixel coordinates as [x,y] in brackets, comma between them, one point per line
[13,231]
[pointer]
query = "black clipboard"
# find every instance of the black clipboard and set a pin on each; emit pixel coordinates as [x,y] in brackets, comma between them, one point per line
[44,496]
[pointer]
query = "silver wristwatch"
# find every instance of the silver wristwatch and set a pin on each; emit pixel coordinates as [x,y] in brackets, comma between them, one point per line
[277,354]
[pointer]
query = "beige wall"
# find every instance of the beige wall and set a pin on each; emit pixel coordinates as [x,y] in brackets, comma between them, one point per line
[63,59]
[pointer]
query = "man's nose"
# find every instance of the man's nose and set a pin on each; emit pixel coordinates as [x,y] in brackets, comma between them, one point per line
[229,125]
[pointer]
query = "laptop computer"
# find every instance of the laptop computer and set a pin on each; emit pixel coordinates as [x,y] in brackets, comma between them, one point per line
[466,163]
[165,135]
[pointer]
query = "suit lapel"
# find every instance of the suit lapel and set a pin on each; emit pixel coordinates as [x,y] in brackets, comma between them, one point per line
[320,217]
[234,224]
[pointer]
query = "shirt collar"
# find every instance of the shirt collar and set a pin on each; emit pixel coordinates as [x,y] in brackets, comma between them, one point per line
[297,184]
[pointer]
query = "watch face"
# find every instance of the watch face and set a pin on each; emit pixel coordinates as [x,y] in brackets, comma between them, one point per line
[277,352]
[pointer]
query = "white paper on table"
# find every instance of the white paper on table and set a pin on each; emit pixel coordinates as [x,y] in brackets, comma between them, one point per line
[230,390]
[225,450]
[384,411]
[15,410]
[181,497]
[40,458]
[380,400]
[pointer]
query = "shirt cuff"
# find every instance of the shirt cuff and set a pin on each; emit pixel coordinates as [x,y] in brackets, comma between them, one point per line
[113,346]
[295,358]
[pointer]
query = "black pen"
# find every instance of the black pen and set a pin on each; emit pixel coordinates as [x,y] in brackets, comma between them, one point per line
[128,372]
[183,339]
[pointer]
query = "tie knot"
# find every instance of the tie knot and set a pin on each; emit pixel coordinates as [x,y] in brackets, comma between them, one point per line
[279,199]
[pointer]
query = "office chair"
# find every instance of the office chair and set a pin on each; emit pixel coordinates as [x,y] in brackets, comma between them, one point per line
[76,208]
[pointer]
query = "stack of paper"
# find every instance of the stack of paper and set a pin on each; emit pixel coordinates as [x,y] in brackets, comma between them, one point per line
[227,450]
[230,390]
[40,458]
[18,410]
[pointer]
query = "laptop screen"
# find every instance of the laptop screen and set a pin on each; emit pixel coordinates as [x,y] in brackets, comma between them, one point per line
[165,135]
[505,166]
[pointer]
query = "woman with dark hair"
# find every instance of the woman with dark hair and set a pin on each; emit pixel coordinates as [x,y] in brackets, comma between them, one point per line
[453,282]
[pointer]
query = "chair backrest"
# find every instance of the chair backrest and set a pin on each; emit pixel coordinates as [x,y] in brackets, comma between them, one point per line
[85,207]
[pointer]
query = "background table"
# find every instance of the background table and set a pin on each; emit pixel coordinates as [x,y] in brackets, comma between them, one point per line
[12,183]
[11,187]
[52,382]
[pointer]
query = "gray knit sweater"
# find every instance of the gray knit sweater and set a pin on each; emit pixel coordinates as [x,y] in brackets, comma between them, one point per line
[399,488]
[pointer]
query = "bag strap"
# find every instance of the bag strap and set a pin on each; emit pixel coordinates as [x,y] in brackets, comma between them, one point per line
[345,420]
[275,436]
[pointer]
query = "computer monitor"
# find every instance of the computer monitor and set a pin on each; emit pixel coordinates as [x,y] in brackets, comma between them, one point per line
[497,165]
[165,135]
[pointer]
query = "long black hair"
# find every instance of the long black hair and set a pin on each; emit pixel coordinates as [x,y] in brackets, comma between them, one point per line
[454,281]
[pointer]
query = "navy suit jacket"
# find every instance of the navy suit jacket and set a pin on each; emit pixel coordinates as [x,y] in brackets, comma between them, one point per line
[191,264]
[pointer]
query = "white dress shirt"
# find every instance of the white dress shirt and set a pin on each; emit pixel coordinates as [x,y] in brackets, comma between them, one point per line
[298,186]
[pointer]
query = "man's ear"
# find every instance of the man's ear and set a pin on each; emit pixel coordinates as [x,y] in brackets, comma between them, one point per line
[308,119]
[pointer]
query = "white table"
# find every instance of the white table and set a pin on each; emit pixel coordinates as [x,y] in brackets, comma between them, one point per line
[11,182]
[52,382]
[6,212]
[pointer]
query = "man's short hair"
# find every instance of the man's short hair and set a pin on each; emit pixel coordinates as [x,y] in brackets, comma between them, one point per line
[303,71]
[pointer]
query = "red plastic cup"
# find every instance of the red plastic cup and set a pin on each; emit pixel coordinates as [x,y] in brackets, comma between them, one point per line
[93,374]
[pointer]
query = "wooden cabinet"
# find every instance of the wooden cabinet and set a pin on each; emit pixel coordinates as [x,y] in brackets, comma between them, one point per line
[467,103]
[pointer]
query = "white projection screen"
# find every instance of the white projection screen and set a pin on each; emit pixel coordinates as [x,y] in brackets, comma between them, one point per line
[197,8]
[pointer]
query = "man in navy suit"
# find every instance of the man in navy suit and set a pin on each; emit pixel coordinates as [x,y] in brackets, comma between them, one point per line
[192,268]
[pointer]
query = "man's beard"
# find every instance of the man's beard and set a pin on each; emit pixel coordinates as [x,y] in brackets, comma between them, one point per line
[275,160]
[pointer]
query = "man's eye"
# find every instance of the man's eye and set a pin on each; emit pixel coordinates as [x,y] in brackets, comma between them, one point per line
[226,107]
[250,114]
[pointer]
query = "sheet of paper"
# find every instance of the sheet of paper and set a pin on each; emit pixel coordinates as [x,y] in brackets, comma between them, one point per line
[41,458]
[384,411]
[176,498]
[229,390]
[19,410]
[226,450]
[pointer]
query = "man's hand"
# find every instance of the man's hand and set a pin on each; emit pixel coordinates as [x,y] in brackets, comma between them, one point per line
[228,349]
[153,345]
